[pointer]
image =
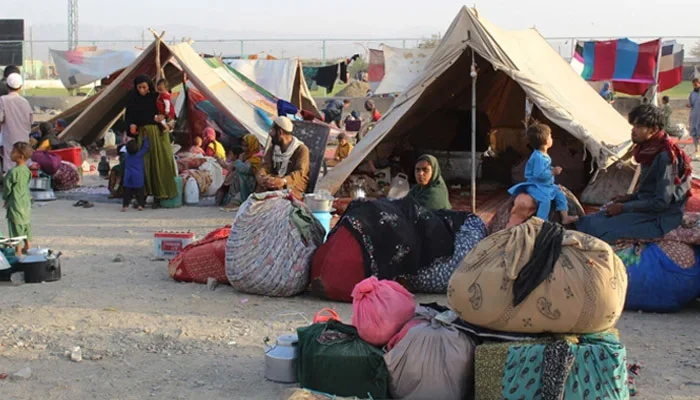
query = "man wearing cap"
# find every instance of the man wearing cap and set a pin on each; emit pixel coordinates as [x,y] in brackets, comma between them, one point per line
[286,163]
[5,73]
[15,118]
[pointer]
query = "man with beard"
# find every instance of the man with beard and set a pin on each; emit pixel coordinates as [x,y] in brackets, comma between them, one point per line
[286,163]
[657,206]
[694,105]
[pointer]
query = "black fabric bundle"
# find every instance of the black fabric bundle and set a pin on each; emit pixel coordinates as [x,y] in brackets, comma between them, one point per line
[544,256]
[399,237]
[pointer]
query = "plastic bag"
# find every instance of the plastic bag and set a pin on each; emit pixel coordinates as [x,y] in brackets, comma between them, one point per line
[333,359]
[433,361]
[380,309]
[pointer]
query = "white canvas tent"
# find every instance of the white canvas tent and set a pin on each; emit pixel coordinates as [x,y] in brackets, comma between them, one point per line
[512,65]
[401,68]
[284,79]
[222,88]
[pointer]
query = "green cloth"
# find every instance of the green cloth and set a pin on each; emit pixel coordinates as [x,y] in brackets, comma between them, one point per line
[434,196]
[16,230]
[158,163]
[18,201]
[334,359]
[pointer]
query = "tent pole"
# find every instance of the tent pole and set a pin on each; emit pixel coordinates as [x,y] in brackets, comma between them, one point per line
[473,74]
[655,98]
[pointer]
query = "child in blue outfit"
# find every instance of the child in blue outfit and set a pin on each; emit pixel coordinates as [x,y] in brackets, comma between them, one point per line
[134,176]
[539,176]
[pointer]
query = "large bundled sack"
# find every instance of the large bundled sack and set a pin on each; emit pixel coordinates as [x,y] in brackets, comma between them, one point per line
[334,359]
[269,249]
[663,277]
[589,366]
[202,259]
[581,290]
[435,277]
[217,175]
[432,361]
[380,309]
[399,237]
[66,177]
[522,206]
[337,266]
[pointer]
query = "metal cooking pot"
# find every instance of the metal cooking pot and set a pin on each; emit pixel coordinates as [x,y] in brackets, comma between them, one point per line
[40,268]
[39,184]
[43,195]
[317,204]
[281,359]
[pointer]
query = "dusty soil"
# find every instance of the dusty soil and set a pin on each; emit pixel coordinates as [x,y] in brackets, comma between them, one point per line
[143,335]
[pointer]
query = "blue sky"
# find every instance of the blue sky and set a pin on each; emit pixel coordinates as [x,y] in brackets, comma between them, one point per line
[239,19]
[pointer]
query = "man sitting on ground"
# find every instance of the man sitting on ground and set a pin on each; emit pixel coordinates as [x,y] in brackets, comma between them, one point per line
[286,163]
[657,207]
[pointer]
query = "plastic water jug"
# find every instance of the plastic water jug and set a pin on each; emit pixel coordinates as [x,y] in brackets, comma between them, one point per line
[399,187]
[191,191]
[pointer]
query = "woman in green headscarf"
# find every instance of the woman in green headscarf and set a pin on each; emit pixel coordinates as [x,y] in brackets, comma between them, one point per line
[430,189]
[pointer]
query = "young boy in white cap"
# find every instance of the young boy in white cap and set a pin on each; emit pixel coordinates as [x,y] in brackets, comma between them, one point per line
[286,163]
[15,118]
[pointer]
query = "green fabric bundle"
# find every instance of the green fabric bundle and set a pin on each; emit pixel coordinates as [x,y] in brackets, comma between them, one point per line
[334,359]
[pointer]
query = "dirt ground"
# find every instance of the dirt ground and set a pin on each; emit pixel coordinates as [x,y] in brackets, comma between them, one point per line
[143,335]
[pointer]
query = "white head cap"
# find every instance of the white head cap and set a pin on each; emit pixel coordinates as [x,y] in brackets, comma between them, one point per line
[14,81]
[285,124]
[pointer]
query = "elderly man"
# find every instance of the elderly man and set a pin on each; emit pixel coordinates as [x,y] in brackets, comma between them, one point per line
[286,163]
[15,118]
[657,206]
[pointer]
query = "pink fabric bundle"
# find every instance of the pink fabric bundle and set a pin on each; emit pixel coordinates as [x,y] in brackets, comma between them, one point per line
[380,309]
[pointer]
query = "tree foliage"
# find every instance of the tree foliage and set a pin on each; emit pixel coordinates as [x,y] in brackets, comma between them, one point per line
[429,43]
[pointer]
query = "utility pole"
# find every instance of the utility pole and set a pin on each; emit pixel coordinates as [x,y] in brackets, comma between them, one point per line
[72,24]
[31,51]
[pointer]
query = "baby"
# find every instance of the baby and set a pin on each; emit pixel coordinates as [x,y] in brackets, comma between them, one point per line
[165,105]
[539,176]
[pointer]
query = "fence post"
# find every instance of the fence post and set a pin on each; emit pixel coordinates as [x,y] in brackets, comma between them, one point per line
[323,52]
[242,41]
[404,43]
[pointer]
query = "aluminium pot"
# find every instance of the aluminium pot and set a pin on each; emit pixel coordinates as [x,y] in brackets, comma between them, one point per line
[317,203]
[39,184]
[281,359]
[39,268]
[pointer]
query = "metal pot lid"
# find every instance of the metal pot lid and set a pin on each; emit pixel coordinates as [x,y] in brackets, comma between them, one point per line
[289,339]
[33,259]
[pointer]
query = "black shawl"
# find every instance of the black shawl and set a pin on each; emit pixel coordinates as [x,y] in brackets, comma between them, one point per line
[399,237]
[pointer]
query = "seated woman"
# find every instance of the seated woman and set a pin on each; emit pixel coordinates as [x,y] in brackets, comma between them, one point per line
[48,139]
[430,190]
[240,182]
[212,147]
[657,206]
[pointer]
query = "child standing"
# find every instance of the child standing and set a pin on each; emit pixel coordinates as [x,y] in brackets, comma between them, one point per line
[539,176]
[133,181]
[165,105]
[15,193]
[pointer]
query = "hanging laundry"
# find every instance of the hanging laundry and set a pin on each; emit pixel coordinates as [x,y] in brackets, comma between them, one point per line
[323,76]
[344,72]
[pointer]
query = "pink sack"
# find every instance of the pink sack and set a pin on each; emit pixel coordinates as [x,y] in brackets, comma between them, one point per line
[380,309]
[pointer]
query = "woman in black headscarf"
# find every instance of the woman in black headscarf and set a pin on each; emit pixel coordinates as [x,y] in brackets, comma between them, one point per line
[143,119]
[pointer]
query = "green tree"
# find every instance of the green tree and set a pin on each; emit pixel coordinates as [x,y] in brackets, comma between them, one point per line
[429,43]
[359,65]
